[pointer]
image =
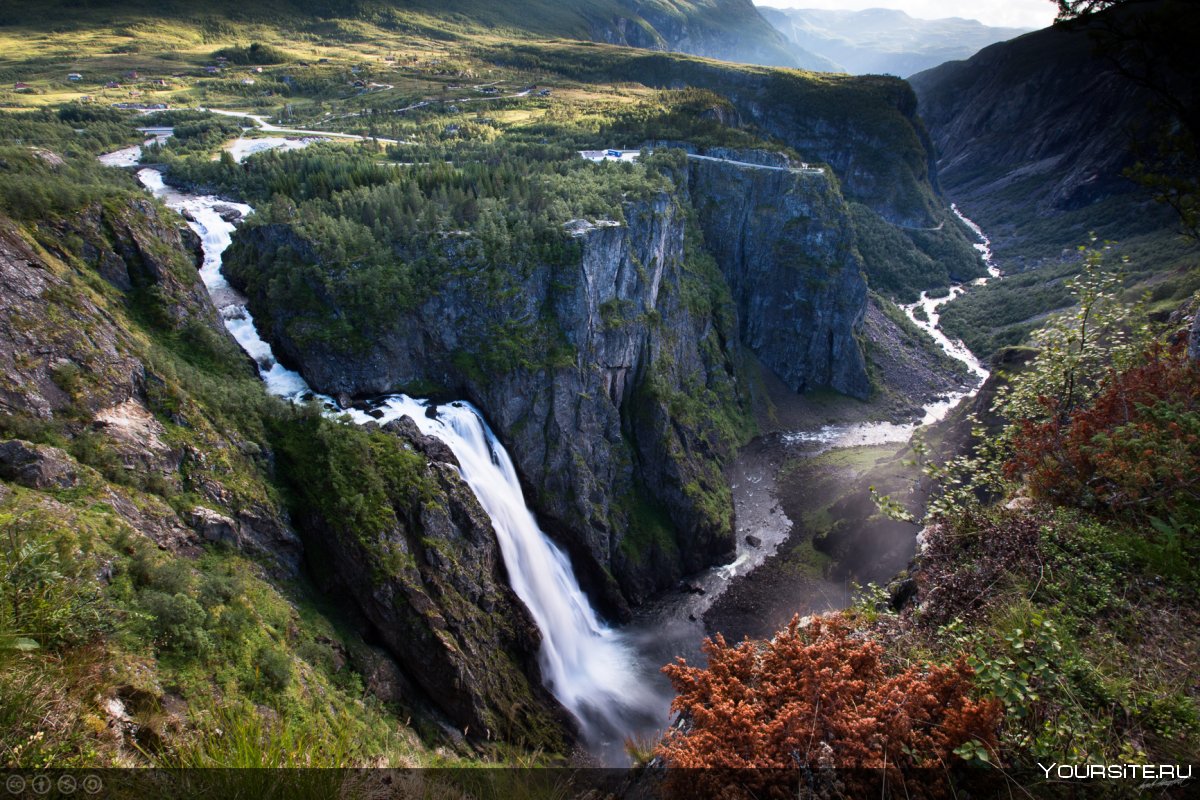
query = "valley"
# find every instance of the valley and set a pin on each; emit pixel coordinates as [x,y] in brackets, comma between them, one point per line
[422,389]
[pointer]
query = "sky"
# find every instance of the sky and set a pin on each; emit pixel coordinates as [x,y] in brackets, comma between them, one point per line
[1002,13]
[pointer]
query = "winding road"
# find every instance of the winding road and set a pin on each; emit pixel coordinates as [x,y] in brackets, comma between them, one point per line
[630,155]
[263,125]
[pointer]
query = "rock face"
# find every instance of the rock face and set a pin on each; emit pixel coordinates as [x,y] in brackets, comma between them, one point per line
[1033,129]
[36,466]
[606,457]
[785,245]
[64,359]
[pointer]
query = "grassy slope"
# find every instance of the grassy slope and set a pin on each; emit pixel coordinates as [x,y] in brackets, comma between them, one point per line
[189,642]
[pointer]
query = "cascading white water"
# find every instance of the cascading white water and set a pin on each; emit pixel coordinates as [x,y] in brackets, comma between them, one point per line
[216,234]
[592,671]
[984,245]
[587,666]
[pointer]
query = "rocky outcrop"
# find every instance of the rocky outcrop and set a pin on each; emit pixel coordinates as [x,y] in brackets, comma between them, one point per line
[785,245]
[137,249]
[36,466]
[47,365]
[431,583]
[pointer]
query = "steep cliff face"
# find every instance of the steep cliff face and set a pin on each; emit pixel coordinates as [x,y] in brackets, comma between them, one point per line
[785,244]
[590,372]
[1037,131]
[423,566]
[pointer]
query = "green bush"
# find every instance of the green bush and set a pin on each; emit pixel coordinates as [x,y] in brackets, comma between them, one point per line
[177,623]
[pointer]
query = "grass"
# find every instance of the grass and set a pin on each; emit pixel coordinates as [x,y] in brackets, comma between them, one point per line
[1162,266]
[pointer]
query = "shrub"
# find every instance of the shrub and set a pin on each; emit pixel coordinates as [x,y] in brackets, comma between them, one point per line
[178,622]
[1135,449]
[821,696]
[274,668]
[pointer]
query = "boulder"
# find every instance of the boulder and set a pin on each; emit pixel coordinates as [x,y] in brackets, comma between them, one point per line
[215,527]
[431,447]
[37,466]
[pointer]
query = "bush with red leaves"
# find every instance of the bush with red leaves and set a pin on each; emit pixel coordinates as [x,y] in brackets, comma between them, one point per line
[813,698]
[1135,449]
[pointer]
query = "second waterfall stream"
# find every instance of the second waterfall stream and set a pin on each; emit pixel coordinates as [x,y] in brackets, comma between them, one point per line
[588,666]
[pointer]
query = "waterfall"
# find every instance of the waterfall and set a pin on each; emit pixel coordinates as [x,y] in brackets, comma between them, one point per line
[588,667]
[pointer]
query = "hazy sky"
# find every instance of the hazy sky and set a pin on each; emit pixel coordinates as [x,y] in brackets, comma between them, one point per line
[1004,13]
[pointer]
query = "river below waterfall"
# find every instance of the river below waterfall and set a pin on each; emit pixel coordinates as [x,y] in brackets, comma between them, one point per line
[676,624]
[607,678]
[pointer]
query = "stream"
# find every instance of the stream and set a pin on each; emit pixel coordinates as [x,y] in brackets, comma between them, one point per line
[606,677]
[591,668]
[925,314]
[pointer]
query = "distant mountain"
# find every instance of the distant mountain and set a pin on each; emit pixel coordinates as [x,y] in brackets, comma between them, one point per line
[1033,134]
[1034,138]
[885,41]
[730,30]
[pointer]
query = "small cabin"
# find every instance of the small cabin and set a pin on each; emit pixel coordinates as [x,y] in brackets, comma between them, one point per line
[212,70]
[132,75]
[160,82]
[112,85]
[74,76]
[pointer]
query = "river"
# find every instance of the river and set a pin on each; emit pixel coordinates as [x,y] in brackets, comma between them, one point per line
[606,677]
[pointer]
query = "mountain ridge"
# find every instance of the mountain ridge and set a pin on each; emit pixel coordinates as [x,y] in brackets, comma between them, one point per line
[881,40]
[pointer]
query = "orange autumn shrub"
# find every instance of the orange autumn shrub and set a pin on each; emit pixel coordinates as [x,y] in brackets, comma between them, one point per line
[1135,448]
[817,697]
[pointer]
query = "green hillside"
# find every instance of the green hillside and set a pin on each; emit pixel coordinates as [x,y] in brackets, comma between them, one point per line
[728,29]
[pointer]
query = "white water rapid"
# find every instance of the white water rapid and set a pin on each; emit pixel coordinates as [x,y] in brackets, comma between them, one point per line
[588,666]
